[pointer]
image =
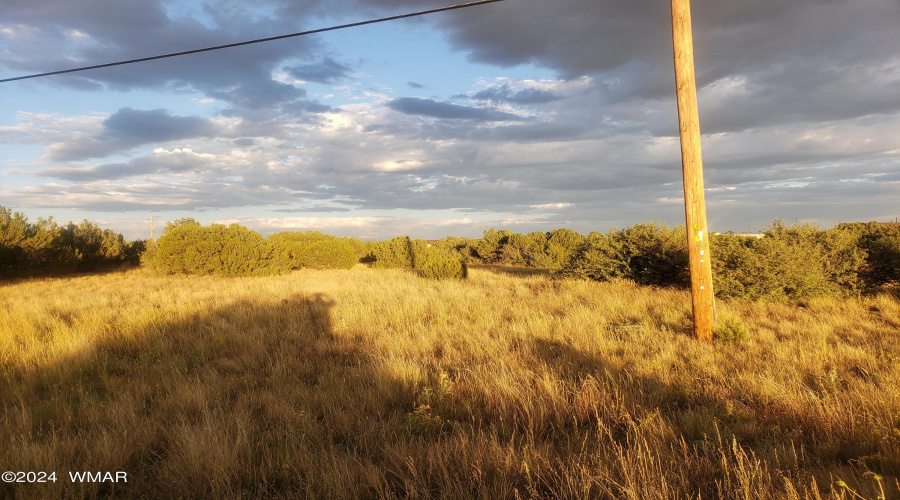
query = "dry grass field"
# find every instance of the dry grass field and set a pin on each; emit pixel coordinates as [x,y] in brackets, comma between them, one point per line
[379,384]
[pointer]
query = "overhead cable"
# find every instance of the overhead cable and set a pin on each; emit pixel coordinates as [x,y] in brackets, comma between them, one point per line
[258,40]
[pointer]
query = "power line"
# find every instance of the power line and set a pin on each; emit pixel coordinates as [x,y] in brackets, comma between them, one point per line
[258,40]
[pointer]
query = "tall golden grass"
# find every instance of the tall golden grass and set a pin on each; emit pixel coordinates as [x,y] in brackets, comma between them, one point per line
[372,383]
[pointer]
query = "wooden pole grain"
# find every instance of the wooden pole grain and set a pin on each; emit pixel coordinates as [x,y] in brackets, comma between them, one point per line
[702,299]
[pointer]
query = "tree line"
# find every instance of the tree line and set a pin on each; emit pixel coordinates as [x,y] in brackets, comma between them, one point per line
[786,263]
[187,247]
[45,246]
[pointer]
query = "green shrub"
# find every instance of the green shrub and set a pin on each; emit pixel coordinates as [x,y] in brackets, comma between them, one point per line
[488,248]
[737,268]
[189,248]
[648,254]
[561,245]
[436,264]
[527,250]
[422,422]
[787,264]
[173,247]
[536,250]
[335,253]
[730,330]
[245,253]
[148,256]
[394,253]
[361,248]
[881,242]
[459,247]
[883,263]
[312,249]
[599,258]
[655,254]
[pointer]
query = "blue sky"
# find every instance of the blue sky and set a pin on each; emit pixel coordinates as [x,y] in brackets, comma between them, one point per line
[525,114]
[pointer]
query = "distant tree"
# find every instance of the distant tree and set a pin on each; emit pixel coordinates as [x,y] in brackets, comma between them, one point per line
[647,253]
[394,253]
[361,248]
[787,263]
[881,243]
[655,254]
[13,228]
[134,250]
[187,221]
[14,231]
[489,247]
[88,245]
[176,250]
[43,245]
[561,245]
[312,249]
[599,258]
[436,263]
[452,245]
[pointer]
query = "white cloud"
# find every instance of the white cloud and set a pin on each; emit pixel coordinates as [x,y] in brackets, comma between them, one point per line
[301,223]
[75,34]
[455,222]
[552,205]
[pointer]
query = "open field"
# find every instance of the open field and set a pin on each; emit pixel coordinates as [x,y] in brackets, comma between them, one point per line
[372,383]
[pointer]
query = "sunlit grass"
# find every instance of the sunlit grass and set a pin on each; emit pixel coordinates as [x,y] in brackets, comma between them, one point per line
[378,384]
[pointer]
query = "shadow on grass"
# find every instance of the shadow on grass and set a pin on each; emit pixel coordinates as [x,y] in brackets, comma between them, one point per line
[256,400]
[513,270]
[265,400]
[12,278]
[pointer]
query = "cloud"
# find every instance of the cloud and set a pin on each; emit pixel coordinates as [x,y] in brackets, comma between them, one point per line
[326,71]
[455,222]
[552,205]
[264,93]
[157,125]
[94,135]
[448,111]
[311,209]
[49,128]
[763,62]
[129,128]
[154,194]
[274,224]
[504,94]
[800,93]
[161,162]
[240,76]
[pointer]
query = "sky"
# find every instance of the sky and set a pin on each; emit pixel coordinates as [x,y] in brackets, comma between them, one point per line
[530,115]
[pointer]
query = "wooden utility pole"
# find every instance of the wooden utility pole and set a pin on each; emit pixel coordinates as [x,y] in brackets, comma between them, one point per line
[702,298]
[151,228]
